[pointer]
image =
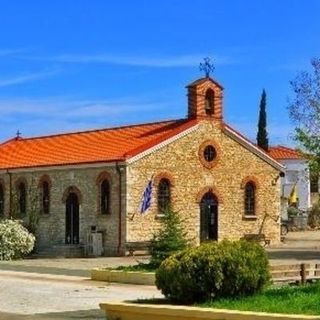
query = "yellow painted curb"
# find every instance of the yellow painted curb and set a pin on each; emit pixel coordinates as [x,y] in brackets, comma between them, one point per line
[131,277]
[134,311]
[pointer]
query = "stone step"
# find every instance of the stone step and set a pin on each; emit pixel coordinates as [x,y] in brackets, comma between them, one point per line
[66,251]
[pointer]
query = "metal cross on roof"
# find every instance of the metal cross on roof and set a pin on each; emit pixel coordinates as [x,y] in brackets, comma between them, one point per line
[206,66]
[18,134]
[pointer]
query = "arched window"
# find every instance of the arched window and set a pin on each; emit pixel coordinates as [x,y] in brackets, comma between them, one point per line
[105,197]
[1,200]
[22,198]
[250,199]
[45,197]
[164,195]
[209,102]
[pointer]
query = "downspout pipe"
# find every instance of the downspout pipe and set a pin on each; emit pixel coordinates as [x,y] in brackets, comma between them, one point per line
[119,170]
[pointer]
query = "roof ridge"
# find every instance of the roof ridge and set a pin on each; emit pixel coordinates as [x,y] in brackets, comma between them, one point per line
[92,130]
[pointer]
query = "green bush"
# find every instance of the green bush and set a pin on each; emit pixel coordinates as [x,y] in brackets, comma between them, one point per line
[292,211]
[169,239]
[214,270]
[314,216]
[15,240]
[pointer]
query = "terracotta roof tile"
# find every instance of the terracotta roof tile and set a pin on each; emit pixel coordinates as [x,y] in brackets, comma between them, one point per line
[106,145]
[284,153]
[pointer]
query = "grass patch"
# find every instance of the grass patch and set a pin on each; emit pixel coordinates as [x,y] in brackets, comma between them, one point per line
[287,299]
[140,267]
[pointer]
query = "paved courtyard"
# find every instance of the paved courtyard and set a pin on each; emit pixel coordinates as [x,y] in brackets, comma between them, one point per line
[27,296]
[60,288]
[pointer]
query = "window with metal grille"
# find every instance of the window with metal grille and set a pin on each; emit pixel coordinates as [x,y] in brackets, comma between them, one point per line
[164,195]
[45,197]
[209,153]
[105,197]
[249,199]
[1,200]
[22,197]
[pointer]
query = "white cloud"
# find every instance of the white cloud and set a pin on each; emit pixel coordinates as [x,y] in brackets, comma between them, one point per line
[141,61]
[27,77]
[63,114]
[10,52]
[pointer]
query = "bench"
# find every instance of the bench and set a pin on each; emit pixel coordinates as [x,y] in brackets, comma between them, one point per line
[258,237]
[133,246]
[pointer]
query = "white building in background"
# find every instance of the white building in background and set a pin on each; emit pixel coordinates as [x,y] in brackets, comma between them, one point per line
[296,175]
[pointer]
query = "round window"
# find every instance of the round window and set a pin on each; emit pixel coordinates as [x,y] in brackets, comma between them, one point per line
[209,153]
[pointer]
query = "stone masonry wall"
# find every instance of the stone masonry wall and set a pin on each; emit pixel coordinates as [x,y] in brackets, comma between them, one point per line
[191,180]
[51,229]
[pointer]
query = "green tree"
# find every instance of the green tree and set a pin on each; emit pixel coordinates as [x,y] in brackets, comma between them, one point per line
[262,135]
[170,238]
[304,111]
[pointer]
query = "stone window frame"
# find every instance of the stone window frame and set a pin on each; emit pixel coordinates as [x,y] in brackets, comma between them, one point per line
[21,181]
[72,189]
[2,198]
[104,176]
[255,183]
[45,179]
[215,161]
[164,175]
[209,189]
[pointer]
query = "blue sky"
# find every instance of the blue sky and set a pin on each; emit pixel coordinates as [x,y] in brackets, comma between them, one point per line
[83,64]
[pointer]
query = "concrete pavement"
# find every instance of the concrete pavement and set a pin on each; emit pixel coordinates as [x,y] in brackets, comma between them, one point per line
[36,296]
[50,289]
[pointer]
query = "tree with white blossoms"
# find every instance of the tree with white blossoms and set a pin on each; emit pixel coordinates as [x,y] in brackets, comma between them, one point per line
[15,240]
[304,111]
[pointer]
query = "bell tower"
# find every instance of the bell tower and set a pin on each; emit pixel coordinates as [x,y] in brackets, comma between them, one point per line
[205,97]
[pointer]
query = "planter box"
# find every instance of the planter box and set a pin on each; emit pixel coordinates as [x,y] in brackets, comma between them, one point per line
[133,311]
[132,277]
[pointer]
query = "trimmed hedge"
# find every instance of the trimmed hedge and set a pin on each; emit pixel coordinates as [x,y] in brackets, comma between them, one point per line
[214,270]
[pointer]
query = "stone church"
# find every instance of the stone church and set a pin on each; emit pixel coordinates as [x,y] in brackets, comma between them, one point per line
[86,182]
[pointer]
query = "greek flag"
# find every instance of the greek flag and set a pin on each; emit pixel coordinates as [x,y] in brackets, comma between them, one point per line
[146,200]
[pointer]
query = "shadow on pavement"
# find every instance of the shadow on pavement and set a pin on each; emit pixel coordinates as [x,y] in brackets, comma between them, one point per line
[45,270]
[94,314]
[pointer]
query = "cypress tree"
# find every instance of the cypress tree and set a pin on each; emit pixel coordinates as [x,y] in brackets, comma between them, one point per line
[262,136]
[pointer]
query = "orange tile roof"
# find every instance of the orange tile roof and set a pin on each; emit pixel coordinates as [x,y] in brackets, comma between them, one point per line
[284,153]
[106,145]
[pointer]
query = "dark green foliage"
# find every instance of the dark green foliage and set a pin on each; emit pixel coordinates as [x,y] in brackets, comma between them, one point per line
[314,216]
[262,136]
[292,211]
[170,238]
[214,270]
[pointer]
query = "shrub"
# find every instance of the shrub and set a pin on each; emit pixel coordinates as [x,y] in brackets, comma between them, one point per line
[314,216]
[214,270]
[15,240]
[292,211]
[170,238]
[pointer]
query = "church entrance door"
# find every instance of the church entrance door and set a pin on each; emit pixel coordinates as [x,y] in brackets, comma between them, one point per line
[208,217]
[72,219]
